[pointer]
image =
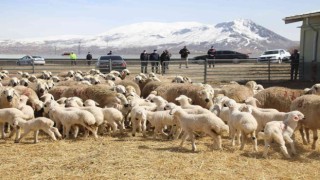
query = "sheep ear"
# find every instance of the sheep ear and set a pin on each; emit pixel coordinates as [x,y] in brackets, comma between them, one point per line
[177,99]
[296,118]
[190,100]
[97,104]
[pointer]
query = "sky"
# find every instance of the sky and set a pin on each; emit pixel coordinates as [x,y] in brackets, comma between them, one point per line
[47,18]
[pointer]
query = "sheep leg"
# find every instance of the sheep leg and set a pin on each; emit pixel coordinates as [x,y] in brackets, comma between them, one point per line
[243,140]
[307,135]
[76,132]
[66,131]
[114,126]
[216,138]
[144,129]
[315,138]
[304,139]
[36,136]
[134,128]
[184,137]
[26,132]
[238,136]
[3,135]
[179,130]
[56,131]
[194,148]
[267,142]
[254,139]
[232,136]
[93,130]
[291,142]
[50,133]
[280,139]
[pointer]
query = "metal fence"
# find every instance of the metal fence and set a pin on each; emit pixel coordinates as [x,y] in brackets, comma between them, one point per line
[198,72]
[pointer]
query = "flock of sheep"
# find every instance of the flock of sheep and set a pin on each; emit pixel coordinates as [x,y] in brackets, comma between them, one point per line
[85,103]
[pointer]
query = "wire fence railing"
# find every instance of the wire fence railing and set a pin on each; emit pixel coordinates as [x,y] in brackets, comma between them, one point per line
[198,71]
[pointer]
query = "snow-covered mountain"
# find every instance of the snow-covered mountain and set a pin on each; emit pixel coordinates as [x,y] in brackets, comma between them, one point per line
[240,35]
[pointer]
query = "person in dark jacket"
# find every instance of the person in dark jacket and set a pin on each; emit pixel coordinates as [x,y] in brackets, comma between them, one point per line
[211,56]
[184,52]
[164,60]
[89,58]
[154,59]
[110,53]
[144,62]
[294,64]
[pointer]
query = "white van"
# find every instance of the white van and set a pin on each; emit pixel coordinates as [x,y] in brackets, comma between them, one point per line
[276,55]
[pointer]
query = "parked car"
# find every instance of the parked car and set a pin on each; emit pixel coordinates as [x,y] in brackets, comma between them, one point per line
[30,60]
[223,56]
[276,55]
[118,63]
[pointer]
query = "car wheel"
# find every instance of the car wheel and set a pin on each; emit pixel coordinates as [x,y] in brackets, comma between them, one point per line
[279,60]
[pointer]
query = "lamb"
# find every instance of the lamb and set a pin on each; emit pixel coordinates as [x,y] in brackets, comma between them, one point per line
[211,125]
[138,120]
[25,75]
[26,109]
[159,120]
[114,117]
[281,132]
[10,115]
[160,102]
[308,105]
[46,97]
[241,122]
[40,123]
[120,89]
[90,102]
[185,102]
[263,117]
[70,118]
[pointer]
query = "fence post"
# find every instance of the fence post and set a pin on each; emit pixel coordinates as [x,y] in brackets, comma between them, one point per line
[269,70]
[205,70]
[110,65]
[33,66]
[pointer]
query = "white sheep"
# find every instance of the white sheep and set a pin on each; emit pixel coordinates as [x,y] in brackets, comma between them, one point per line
[14,81]
[56,79]
[281,132]
[211,125]
[70,118]
[185,102]
[138,120]
[26,109]
[241,122]
[159,120]
[40,123]
[24,82]
[160,102]
[9,115]
[25,75]
[90,102]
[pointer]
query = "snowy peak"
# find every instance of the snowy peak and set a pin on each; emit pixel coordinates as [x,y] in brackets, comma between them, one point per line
[242,35]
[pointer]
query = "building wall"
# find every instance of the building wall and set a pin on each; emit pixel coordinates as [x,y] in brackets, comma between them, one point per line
[310,66]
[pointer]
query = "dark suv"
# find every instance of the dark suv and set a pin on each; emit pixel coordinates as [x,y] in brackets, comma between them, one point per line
[118,63]
[223,56]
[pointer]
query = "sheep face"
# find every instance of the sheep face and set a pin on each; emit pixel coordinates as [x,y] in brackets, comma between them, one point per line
[9,93]
[182,99]
[14,82]
[42,87]
[207,96]
[295,116]
[170,106]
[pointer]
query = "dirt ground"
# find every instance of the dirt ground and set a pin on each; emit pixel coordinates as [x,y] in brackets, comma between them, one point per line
[126,157]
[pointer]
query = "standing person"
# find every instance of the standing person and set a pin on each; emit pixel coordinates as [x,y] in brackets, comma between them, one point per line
[144,61]
[164,60]
[154,59]
[73,58]
[184,56]
[294,64]
[211,56]
[110,53]
[89,58]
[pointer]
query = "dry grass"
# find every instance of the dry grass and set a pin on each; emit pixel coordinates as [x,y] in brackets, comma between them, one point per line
[144,158]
